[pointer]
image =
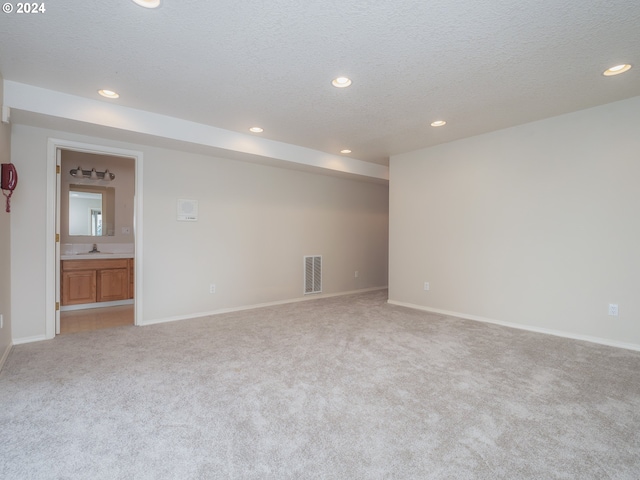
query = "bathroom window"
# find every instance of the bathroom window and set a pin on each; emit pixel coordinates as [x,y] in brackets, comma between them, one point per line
[96,221]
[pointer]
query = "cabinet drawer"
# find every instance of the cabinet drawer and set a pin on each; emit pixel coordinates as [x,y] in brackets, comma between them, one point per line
[70,265]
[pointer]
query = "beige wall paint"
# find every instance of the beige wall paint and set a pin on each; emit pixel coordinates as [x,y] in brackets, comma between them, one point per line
[535,225]
[255,225]
[5,245]
[28,240]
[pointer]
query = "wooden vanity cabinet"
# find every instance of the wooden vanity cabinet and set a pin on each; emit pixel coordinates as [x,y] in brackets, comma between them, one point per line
[90,281]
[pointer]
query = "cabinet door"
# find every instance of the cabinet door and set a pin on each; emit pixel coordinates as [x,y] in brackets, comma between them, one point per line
[78,287]
[113,284]
[131,277]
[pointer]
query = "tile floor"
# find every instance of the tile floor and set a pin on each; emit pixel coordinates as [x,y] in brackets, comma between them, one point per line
[95,318]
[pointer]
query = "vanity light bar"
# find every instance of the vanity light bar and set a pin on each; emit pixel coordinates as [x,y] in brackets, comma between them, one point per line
[92,174]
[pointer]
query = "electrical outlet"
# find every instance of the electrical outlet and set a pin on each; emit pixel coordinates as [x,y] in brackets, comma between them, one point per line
[126,231]
[426,285]
[212,288]
[613,309]
[355,275]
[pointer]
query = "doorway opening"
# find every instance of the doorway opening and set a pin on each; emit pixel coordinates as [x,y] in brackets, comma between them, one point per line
[96,241]
[95,273]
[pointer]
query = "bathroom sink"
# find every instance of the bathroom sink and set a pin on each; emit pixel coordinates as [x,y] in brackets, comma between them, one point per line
[89,253]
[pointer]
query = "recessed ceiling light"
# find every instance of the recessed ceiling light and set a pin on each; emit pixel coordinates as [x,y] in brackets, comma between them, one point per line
[346,150]
[438,123]
[617,70]
[147,3]
[256,130]
[108,93]
[341,82]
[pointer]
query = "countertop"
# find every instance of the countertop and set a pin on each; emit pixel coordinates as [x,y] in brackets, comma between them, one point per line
[95,256]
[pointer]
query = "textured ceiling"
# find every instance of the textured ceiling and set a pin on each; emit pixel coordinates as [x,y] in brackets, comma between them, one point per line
[480,65]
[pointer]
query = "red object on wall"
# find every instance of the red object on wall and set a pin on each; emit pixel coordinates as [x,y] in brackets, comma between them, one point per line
[8,182]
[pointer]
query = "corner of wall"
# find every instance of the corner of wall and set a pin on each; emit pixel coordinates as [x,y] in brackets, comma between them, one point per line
[5,246]
[5,355]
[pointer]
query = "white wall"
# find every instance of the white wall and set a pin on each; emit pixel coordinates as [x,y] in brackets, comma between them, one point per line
[5,246]
[535,225]
[255,225]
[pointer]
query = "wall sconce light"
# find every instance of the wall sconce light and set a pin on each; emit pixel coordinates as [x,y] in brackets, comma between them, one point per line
[92,174]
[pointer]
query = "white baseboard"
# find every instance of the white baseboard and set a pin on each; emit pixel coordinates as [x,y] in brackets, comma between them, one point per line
[5,355]
[35,338]
[257,305]
[530,328]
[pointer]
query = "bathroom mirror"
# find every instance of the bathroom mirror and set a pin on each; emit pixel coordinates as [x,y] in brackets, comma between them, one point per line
[91,210]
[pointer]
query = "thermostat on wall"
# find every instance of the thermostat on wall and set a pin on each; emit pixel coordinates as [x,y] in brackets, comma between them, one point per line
[187,210]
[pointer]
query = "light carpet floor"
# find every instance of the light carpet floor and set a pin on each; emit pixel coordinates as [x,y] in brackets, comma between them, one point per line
[336,388]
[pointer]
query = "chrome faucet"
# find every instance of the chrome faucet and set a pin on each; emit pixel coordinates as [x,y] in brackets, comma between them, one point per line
[95,248]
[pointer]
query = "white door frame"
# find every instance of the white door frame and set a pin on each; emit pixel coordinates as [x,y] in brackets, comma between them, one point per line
[57,261]
[52,254]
